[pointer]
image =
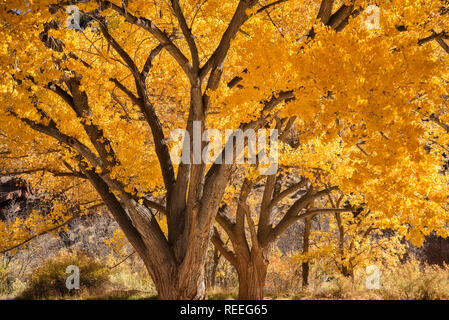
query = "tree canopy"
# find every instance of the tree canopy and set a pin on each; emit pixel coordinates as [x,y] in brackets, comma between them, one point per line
[93,107]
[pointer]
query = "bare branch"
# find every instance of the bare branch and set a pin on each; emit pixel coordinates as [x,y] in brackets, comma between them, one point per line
[128,92]
[314,212]
[293,188]
[154,205]
[219,244]
[123,260]
[265,7]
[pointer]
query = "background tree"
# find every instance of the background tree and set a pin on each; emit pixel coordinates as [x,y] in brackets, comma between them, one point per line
[348,243]
[253,240]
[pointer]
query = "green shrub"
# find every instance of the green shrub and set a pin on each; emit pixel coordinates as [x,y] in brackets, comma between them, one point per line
[49,280]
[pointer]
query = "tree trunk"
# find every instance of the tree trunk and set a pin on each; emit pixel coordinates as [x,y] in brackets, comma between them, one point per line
[174,286]
[168,291]
[305,274]
[214,268]
[305,250]
[347,272]
[252,275]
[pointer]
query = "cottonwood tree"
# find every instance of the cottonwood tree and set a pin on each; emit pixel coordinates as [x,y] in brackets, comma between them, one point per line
[350,242]
[254,235]
[95,104]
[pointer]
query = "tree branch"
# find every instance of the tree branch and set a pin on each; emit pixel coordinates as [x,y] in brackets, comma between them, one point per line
[154,205]
[156,32]
[187,34]
[216,60]
[219,244]
[125,90]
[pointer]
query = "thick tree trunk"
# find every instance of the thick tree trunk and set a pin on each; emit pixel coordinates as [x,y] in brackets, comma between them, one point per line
[174,286]
[175,277]
[169,290]
[252,275]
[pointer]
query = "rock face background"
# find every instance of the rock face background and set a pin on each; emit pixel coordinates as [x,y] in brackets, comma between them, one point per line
[18,199]
[436,250]
[15,196]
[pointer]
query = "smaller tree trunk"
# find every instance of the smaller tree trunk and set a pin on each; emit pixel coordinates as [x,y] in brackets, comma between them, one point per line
[347,271]
[214,268]
[252,275]
[305,274]
[305,250]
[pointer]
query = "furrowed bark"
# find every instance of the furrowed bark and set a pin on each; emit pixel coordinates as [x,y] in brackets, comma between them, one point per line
[252,274]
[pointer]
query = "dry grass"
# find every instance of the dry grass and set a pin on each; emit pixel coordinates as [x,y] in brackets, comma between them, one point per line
[410,281]
[218,293]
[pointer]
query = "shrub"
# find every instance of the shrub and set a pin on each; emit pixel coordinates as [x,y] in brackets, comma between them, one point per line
[49,280]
